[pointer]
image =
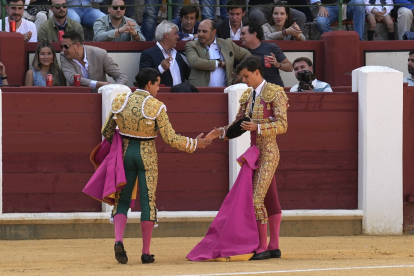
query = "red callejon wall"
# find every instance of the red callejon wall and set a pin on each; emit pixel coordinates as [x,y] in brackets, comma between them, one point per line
[318,166]
[47,139]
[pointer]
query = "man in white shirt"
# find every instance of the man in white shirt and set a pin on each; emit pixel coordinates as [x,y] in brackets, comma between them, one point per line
[15,10]
[164,58]
[231,27]
[410,64]
[212,59]
[301,64]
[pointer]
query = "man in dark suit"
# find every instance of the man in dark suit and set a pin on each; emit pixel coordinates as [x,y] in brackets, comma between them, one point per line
[164,58]
[187,22]
[231,27]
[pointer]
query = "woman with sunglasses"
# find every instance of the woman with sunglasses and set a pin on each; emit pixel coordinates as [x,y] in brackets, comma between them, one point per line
[116,26]
[49,30]
[44,63]
[281,26]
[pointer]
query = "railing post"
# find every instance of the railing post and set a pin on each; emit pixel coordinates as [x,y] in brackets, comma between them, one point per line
[169,10]
[340,15]
[380,150]
[3,15]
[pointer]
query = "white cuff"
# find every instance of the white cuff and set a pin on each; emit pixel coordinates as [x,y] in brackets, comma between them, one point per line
[195,147]
[258,129]
[161,69]
[224,134]
[93,84]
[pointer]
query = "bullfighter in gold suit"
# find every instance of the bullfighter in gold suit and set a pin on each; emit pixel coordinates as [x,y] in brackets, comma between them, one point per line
[139,116]
[263,112]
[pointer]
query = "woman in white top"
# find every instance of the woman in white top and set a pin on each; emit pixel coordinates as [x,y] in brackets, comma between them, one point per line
[281,26]
[379,14]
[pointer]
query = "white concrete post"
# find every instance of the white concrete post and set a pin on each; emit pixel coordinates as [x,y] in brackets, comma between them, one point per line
[239,145]
[380,117]
[109,92]
[1,153]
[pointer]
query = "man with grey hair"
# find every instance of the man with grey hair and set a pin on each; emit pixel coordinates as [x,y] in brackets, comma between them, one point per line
[164,58]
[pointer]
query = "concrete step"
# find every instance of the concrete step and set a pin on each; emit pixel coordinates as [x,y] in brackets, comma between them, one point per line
[295,223]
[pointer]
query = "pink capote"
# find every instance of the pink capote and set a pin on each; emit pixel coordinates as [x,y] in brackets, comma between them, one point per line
[234,230]
[110,175]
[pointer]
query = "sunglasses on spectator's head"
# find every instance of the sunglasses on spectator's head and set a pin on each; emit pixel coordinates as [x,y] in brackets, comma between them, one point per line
[64,6]
[116,7]
[66,46]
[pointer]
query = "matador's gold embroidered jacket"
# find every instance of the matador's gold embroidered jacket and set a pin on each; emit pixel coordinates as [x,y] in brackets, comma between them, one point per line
[270,113]
[140,115]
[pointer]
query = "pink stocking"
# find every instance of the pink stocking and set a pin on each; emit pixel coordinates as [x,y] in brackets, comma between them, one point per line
[146,228]
[274,225]
[262,237]
[120,221]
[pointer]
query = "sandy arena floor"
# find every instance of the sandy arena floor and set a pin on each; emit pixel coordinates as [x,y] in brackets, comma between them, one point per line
[355,255]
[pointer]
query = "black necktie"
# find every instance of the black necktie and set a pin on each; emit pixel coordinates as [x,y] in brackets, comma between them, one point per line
[253,101]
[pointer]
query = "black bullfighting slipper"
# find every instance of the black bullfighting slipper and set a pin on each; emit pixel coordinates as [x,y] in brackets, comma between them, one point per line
[261,256]
[275,253]
[147,259]
[120,253]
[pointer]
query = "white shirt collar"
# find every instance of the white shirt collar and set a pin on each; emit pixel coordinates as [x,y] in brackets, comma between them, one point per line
[163,50]
[259,88]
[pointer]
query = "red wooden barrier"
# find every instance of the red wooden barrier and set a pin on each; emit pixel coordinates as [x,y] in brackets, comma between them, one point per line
[408,158]
[47,138]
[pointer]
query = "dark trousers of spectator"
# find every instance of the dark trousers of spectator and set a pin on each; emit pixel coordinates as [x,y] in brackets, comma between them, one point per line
[305,10]
[149,18]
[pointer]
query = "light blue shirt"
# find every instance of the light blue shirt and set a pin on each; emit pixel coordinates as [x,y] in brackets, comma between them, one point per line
[318,86]
[410,80]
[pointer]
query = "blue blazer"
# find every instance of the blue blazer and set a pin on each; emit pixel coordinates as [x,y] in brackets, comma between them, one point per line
[152,58]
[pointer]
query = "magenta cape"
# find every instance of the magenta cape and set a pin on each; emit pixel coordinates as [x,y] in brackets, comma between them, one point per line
[234,230]
[110,175]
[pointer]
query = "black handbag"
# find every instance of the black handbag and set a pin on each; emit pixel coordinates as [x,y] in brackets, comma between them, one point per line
[184,87]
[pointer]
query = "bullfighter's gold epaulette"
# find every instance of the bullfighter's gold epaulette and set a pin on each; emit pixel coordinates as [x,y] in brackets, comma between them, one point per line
[152,107]
[119,102]
[245,96]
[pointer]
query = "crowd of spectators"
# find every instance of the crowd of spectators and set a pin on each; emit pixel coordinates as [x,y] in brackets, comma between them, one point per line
[210,53]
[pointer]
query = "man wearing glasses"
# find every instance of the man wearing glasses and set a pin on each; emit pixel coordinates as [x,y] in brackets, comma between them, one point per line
[59,22]
[92,63]
[116,26]
[15,10]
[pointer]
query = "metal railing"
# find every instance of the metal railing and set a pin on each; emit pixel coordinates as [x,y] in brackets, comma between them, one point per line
[170,4]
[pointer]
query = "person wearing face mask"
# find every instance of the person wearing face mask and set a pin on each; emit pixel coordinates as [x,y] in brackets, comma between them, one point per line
[15,10]
[116,26]
[92,63]
[44,63]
